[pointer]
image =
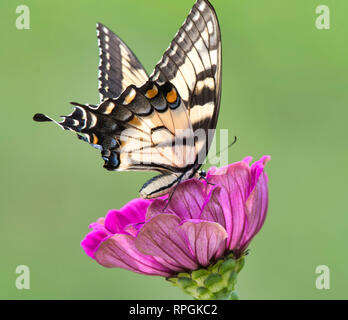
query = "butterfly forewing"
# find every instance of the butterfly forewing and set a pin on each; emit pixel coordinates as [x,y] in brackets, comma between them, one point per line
[193,64]
[118,67]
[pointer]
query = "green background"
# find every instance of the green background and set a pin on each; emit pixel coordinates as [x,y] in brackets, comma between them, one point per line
[285,93]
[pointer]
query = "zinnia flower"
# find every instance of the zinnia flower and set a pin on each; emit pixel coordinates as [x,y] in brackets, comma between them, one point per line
[198,240]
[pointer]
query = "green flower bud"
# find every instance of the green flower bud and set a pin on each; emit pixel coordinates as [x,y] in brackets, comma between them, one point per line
[216,282]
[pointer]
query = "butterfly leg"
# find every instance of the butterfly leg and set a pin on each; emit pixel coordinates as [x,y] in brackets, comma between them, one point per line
[202,176]
[172,193]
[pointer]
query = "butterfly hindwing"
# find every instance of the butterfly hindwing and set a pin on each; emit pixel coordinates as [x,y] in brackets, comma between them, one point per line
[146,128]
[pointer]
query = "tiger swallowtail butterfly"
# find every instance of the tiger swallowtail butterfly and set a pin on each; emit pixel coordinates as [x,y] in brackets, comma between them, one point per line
[159,122]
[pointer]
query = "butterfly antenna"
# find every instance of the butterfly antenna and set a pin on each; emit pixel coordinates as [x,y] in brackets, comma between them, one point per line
[229,146]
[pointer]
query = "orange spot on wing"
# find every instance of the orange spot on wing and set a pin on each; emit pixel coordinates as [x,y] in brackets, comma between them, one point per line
[172,96]
[109,108]
[135,122]
[95,139]
[130,97]
[152,93]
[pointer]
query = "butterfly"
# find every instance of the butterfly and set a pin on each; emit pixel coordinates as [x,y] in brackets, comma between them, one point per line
[160,122]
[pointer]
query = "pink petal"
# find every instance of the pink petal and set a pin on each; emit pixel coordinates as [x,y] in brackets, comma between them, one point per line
[92,241]
[247,160]
[205,239]
[256,209]
[158,206]
[234,210]
[120,251]
[168,265]
[213,210]
[133,212]
[98,224]
[161,237]
[256,170]
[188,199]
[234,191]
[133,228]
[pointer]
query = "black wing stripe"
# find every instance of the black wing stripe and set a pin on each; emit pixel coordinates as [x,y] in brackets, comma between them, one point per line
[175,72]
[113,44]
[183,61]
[203,51]
[200,30]
[116,60]
[128,76]
[118,66]
[195,101]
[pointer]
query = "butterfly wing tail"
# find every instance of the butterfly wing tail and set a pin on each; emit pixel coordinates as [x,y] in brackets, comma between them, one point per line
[91,127]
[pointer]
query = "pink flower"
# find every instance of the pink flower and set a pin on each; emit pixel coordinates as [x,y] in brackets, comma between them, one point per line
[202,223]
